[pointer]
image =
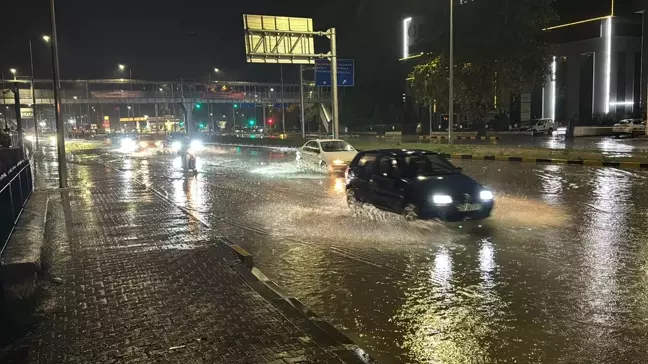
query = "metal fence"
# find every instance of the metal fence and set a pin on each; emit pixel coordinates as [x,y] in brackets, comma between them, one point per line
[15,188]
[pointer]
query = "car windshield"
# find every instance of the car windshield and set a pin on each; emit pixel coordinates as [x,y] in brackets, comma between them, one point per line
[336,146]
[428,165]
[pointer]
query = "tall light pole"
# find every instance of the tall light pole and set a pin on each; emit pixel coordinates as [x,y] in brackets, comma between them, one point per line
[283,111]
[60,125]
[451,86]
[33,91]
[130,74]
[14,71]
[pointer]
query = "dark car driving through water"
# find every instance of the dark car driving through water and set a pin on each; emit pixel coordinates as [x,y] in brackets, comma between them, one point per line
[417,184]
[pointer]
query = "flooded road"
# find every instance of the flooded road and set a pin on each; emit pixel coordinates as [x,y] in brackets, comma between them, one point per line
[558,274]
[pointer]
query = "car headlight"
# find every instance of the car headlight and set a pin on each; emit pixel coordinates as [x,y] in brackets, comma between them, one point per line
[486,195]
[158,143]
[176,145]
[126,142]
[338,162]
[196,145]
[143,144]
[442,199]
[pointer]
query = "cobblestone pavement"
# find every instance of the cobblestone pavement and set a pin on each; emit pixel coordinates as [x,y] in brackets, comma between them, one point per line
[143,282]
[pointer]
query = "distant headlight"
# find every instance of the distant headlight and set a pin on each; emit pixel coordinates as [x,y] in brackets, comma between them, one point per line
[176,146]
[126,142]
[338,162]
[441,199]
[158,143]
[143,144]
[196,145]
[486,195]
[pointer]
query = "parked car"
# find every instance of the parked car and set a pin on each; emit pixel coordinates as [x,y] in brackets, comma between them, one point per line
[330,155]
[630,127]
[542,126]
[417,184]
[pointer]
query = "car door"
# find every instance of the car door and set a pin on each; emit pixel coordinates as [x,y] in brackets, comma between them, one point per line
[386,183]
[360,174]
[308,152]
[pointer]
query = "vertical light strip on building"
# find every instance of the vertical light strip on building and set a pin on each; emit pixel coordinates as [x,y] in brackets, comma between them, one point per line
[608,62]
[406,24]
[553,89]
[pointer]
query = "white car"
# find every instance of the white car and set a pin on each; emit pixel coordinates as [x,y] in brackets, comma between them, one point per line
[631,127]
[330,155]
[542,126]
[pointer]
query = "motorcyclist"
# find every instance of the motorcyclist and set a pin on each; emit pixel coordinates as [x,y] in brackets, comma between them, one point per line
[188,158]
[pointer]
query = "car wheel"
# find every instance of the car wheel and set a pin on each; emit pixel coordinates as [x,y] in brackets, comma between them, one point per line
[550,131]
[351,198]
[323,167]
[410,212]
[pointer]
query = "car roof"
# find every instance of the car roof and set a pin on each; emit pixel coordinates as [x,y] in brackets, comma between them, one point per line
[326,140]
[401,152]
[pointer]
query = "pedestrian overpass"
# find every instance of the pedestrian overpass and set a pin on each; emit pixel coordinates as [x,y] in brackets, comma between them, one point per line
[184,93]
[123,91]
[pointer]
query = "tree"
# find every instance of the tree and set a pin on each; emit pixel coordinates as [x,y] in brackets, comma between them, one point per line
[497,51]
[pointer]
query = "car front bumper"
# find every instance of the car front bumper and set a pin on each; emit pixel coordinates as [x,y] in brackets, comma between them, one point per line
[452,212]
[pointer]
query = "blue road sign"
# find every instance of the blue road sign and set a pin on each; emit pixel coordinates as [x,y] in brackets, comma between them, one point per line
[277,105]
[345,71]
[247,105]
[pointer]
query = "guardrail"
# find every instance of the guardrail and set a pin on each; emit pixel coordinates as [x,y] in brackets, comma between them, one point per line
[16,187]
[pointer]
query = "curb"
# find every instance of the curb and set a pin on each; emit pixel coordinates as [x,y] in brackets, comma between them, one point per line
[501,158]
[423,138]
[324,334]
[587,162]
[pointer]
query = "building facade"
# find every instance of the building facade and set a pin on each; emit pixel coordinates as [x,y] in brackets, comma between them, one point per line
[598,68]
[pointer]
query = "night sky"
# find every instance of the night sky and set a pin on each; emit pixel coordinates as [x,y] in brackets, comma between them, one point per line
[166,40]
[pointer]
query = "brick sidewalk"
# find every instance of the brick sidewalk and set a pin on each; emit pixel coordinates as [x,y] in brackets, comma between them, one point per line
[143,282]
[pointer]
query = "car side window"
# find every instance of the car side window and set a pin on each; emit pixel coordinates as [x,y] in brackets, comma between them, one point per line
[310,146]
[366,163]
[388,167]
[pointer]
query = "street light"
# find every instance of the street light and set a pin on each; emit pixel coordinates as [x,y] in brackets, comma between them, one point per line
[13,70]
[121,67]
[46,38]
[216,70]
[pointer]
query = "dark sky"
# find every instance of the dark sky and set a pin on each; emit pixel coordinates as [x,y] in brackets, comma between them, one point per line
[158,39]
[166,40]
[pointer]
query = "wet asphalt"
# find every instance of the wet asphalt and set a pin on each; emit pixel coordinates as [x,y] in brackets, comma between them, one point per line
[558,274]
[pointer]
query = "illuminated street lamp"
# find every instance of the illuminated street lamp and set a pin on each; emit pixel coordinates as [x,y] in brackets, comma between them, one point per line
[46,38]
[13,70]
[216,70]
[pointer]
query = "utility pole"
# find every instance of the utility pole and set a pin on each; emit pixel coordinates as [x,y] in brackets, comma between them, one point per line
[451,86]
[334,85]
[60,126]
[33,91]
[301,99]
[283,109]
[18,119]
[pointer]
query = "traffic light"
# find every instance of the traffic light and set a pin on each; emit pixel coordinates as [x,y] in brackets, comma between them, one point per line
[236,106]
[201,125]
[270,122]
[198,106]
[251,122]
